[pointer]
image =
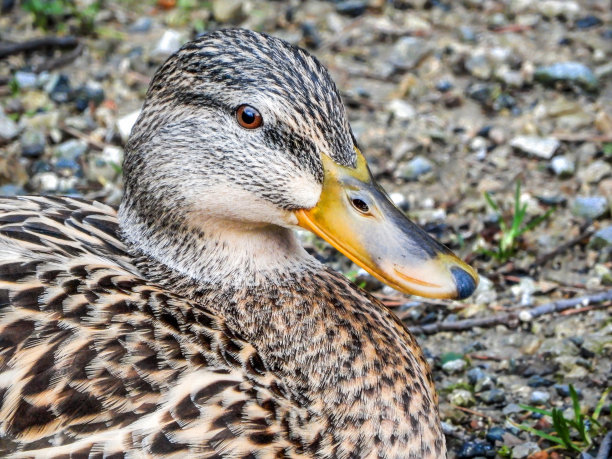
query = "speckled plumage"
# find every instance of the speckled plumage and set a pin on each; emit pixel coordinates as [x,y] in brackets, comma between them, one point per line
[180,330]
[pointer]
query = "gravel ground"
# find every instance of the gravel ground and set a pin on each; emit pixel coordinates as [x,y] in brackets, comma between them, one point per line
[448,100]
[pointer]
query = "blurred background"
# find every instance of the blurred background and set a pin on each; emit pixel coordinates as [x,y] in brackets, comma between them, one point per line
[488,122]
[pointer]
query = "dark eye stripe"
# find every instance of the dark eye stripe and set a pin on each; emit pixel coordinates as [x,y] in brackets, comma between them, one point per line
[248,117]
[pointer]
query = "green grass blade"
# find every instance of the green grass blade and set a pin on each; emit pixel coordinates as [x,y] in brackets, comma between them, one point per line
[492,203]
[533,409]
[539,433]
[600,404]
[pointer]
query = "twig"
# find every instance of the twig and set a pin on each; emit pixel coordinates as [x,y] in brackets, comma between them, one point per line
[7,49]
[562,248]
[569,137]
[511,319]
[60,61]
[79,135]
[474,412]
[606,446]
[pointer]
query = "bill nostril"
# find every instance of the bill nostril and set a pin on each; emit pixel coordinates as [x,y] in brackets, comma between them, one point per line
[464,281]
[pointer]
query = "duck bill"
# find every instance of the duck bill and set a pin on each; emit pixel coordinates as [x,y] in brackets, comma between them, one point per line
[355,216]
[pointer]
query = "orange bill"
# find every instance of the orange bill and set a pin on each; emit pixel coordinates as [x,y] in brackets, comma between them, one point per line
[356,216]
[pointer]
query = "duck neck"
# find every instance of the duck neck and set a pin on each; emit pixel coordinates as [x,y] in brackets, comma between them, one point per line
[188,254]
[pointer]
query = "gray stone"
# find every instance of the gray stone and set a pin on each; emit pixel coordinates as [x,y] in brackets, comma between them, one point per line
[416,167]
[408,52]
[595,171]
[479,66]
[542,147]
[71,149]
[454,366]
[170,42]
[402,110]
[141,25]
[8,128]
[492,396]
[556,347]
[539,397]
[562,166]
[511,408]
[45,181]
[589,207]
[525,449]
[26,80]
[32,143]
[568,73]
[601,239]
[461,397]
[225,11]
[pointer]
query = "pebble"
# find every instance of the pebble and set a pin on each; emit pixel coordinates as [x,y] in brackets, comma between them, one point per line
[461,397]
[539,397]
[511,408]
[563,390]
[595,171]
[454,366]
[402,110]
[475,375]
[399,199]
[8,128]
[589,207]
[125,124]
[470,449]
[91,92]
[539,381]
[542,147]
[415,168]
[567,72]
[351,8]
[493,396]
[32,143]
[58,88]
[408,52]
[553,8]
[587,22]
[11,190]
[45,182]
[228,11]
[170,42]
[601,239]
[495,434]
[26,80]
[525,450]
[563,166]
[71,149]
[141,25]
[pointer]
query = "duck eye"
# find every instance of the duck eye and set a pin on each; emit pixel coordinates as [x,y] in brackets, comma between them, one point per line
[248,117]
[360,205]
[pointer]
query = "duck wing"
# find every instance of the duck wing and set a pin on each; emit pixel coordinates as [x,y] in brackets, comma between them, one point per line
[95,360]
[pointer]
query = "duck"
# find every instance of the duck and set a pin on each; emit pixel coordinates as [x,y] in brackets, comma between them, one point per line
[190,321]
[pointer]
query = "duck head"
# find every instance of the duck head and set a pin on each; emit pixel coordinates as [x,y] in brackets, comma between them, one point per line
[248,132]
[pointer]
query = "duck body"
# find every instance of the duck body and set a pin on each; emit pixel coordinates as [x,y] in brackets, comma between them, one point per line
[191,322]
[97,360]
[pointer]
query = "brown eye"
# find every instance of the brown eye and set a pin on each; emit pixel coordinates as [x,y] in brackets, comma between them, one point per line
[248,117]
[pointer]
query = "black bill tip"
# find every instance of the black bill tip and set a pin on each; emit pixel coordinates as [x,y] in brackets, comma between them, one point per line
[464,281]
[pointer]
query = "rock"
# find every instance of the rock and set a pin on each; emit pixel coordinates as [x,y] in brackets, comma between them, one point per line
[525,449]
[587,22]
[471,449]
[454,366]
[32,143]
[485,292]
[563,390]
[141,25]
[601,239]
[399,199]
[467,34]
[26,80]
[58,88]
[11,190]
[495,434]
[170,42]
[8,128]
[539,397]
[45,182]
[228,11]
[71,149]
[595,171]
[590,207]
[542,147]
[444,86]
[567,73]
[351,8]
[562,166]
[539,381]
[479,66]
[125,124]
[511,408]
[402,110]
[415,168]
[475,375]
[91,92]
[104,166]
[603,273]
[553,8]
[408,52]
[493,396]
[461,397]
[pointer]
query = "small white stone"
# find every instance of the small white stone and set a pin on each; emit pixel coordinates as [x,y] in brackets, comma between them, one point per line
[170,42]
[125,124]
[525,316]
[542,147]
[402,110]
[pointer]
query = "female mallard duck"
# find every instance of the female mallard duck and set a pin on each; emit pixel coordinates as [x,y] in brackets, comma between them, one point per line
[193,324]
